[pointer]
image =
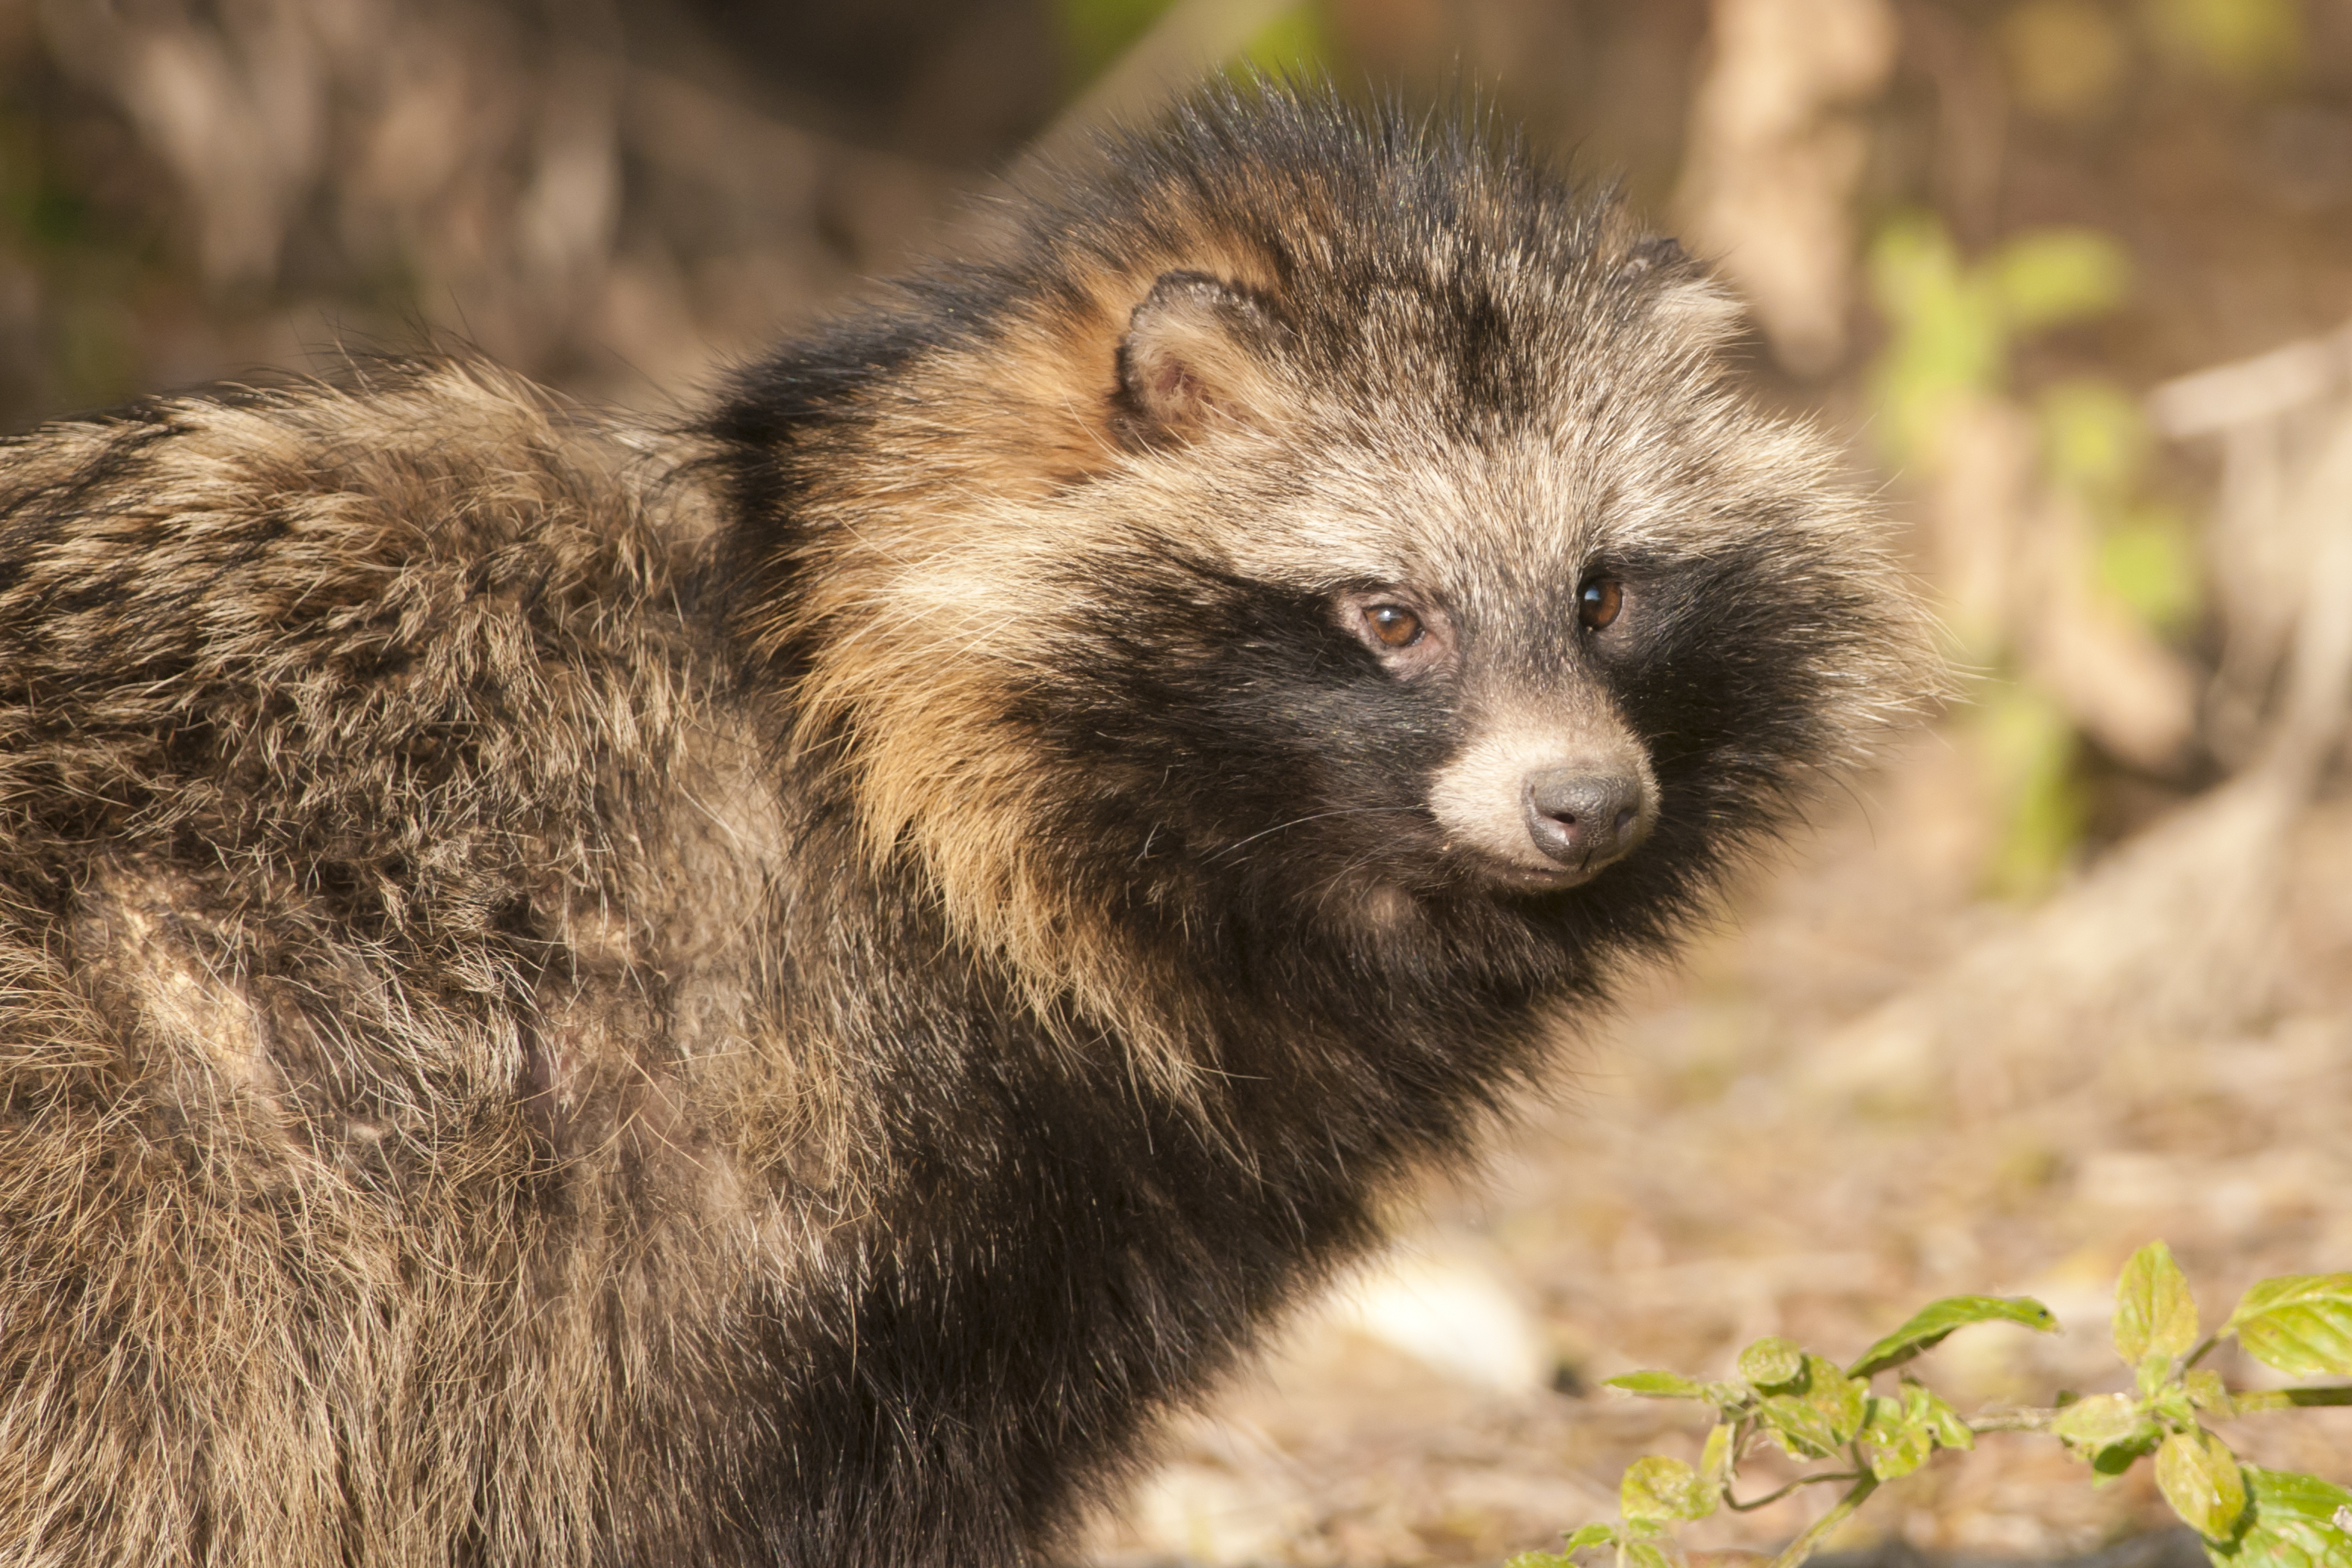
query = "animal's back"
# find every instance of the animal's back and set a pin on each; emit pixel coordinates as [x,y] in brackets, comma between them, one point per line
[338,732]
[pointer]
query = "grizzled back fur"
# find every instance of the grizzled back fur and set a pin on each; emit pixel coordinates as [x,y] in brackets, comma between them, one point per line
[771,992]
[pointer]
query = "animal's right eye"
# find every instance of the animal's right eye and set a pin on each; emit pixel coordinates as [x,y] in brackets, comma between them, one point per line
[1598,603]
[1393,625]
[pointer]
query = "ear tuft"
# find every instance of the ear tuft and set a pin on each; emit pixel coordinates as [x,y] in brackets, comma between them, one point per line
[1194,356]
[1653,255]
[1700,311]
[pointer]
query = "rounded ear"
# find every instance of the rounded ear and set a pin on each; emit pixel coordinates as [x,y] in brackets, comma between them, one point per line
[1195,354]
[1698,308]
[1702,312]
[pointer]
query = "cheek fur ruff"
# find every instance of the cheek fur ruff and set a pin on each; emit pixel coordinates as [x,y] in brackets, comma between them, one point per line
[777,990]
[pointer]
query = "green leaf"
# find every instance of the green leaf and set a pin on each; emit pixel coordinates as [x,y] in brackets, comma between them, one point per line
[1715,1460]
[2299,1323]
[2155,1314]
[1657,1385]
[1820,1414]
[2148,559]
[2294,1522]
[1294,44]
[1097,32]
[2109,1463]
[2171,1405]
[1950,338]
[2108,1430]
[1658,1489]
[2098,1421]
[1899,1456]
[1771,1361]
[1658,1552]
[1843,1401]
[1893,1443]
[2208,1392]
[1931,1324]
[1914,269]
[2241,41]
[2200,1477]
[2058,275]
[1579,1539]
[2094,436]
[1925,1408]
[2031,748]
[1796,1427]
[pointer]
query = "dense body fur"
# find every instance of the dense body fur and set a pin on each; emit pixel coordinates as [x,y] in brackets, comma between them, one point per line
[769,992]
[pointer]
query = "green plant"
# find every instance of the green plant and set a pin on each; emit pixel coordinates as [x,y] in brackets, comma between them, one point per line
[1809,1408]
[1954,327]
[1095,32]
[2241,41]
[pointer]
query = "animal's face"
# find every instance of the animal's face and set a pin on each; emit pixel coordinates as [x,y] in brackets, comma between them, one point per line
[1451,592]
[1368,685]
[1337,626]
[1544,786]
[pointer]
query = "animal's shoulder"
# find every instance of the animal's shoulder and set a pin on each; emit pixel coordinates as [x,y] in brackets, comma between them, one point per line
[427,607]
[283,502]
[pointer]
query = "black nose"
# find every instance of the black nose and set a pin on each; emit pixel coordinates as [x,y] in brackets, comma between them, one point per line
[1584,818]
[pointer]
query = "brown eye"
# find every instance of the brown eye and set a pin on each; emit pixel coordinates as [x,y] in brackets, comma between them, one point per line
[1395,625]
[1598,603]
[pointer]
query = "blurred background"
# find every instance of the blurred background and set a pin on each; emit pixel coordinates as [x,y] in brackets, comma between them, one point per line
[2070,276]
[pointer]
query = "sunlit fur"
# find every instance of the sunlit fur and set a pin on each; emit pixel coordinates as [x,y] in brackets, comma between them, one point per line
[772,991]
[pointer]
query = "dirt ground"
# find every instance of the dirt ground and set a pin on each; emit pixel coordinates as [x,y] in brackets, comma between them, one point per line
[1714,1168]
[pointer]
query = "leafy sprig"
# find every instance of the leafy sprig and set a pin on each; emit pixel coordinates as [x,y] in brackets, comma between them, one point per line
[1785,1396]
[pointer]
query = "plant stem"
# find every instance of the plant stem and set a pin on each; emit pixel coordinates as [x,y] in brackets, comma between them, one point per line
[2289,1398]
[1819,1531]
[2246,1400]
[2012,1421]
[1734,1504]
[2200,1353]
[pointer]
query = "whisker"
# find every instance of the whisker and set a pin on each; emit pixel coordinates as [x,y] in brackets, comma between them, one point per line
[1310,817]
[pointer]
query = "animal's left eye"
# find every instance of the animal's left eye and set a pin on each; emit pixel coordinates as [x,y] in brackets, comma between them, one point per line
[1598,603]
[1393,625]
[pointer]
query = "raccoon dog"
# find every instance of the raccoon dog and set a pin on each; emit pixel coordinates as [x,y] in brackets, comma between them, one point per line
[771,992]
